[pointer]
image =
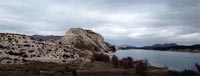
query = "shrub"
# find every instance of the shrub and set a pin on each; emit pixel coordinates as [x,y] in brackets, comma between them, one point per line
[24,37]
[141,67]
[130,62]
[9,39]
[60,43]
[123,63]
[100,57]
[115,60]
[126,63]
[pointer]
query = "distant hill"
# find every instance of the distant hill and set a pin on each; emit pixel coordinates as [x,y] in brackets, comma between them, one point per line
[42,37]
[173,47]
[162,45]
[167,47]
[123,47]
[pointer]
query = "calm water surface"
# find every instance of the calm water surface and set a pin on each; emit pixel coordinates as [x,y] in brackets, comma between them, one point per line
[174,60]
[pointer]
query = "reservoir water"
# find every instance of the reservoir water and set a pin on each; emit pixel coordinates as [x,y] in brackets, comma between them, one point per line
[173,60]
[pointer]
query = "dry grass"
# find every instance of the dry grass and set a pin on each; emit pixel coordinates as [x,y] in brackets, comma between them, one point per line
[87,69]
[34,69]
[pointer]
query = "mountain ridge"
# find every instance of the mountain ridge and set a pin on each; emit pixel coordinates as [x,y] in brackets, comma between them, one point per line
[168,47]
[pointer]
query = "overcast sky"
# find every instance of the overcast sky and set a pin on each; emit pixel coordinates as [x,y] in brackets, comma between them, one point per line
[134,22]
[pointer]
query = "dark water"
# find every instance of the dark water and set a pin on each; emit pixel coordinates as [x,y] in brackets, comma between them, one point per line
[174,60]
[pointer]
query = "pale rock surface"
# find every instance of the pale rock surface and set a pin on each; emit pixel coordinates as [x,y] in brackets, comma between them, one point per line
[77,45]
[86,40]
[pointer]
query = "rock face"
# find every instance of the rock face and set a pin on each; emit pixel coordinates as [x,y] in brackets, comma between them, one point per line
[77,45]
[86,40]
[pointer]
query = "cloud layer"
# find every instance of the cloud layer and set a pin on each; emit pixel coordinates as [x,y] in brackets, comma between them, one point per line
[135,22]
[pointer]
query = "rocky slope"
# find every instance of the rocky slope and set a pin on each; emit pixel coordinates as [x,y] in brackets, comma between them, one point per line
[76,46]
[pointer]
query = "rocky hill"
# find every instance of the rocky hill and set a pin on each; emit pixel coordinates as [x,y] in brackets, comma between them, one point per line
[86,40]
[76,46]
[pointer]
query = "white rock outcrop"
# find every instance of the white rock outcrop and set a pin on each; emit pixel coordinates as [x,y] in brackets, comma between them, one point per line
[86,40]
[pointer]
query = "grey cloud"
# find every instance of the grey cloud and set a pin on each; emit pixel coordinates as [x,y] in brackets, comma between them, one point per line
[139,22]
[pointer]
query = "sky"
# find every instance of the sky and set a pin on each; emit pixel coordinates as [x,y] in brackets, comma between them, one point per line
[120,22]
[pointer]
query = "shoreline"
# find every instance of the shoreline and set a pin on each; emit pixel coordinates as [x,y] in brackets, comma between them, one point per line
[162,50]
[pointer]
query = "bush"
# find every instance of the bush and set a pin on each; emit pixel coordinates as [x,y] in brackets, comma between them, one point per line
[115,60]
[100,57]
[141,67]
[130,62]
[126,63]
